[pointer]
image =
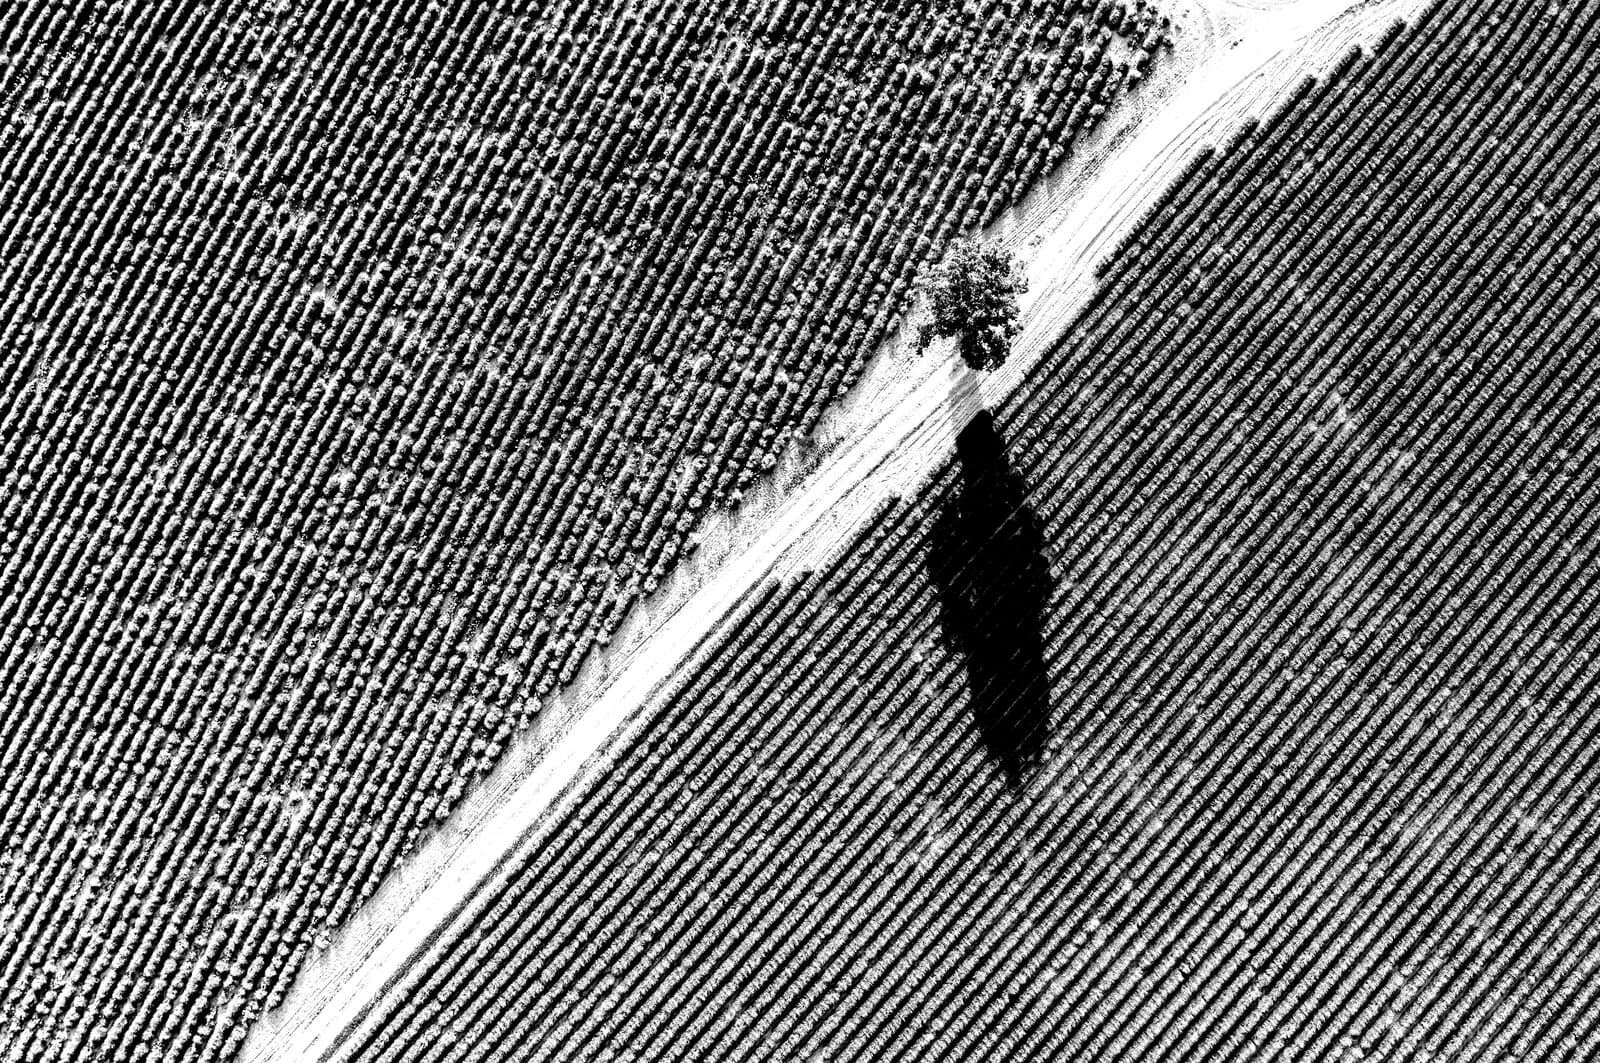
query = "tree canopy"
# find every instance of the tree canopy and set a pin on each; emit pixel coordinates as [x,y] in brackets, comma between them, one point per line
[974,297]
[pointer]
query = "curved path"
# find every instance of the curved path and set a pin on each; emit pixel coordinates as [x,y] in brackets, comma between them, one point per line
[1234,60]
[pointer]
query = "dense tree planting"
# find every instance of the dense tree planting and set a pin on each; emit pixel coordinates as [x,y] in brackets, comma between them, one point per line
[1318,478]
[362,364]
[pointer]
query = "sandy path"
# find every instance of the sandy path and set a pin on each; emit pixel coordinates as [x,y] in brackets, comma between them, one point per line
[1234,59]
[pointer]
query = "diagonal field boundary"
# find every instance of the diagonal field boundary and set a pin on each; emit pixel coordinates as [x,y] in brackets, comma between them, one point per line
[1236,59]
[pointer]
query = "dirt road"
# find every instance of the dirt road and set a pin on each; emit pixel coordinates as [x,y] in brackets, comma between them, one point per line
[1234,60]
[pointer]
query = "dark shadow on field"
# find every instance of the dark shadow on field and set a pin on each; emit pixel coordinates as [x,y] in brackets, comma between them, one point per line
[987,561]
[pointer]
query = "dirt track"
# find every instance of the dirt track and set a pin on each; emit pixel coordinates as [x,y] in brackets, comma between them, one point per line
[1234,60]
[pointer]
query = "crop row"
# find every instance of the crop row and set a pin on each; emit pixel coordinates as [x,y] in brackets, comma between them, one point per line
[1316,478]
[361,365]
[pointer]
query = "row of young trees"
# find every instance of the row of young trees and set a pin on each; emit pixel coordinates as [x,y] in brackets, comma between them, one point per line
[1320,647]
[363,365]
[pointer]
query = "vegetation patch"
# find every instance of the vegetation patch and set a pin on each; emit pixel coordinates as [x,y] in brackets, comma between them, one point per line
[363,364]
[1314,481]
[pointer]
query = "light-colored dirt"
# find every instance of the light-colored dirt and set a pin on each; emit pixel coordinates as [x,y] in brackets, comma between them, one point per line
[1234,60]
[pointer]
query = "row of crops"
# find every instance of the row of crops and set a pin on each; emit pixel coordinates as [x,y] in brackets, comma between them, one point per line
[1314,478]
[362,364]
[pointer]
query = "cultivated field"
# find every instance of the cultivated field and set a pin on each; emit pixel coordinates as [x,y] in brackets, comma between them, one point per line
[1268,734]
[882,441]
[364,364]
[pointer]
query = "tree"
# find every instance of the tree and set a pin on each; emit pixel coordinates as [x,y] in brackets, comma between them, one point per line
[974,297]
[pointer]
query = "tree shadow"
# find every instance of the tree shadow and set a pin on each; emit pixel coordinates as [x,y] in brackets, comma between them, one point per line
[987,560]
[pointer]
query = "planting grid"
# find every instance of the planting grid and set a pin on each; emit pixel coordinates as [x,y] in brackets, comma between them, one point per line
[364,363]
[1316,477]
